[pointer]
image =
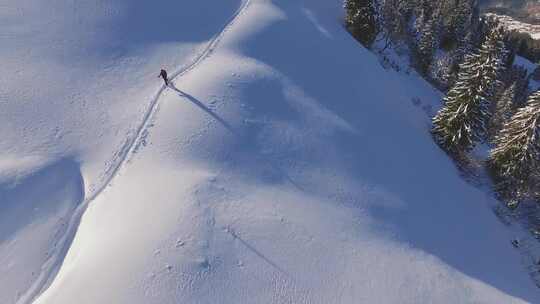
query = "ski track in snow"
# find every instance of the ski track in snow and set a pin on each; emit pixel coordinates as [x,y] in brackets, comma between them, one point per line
[121,157]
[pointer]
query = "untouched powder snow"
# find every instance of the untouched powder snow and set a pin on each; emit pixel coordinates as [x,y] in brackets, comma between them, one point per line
[284,164]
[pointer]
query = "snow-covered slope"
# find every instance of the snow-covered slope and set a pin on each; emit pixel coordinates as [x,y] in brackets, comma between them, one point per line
[283,166]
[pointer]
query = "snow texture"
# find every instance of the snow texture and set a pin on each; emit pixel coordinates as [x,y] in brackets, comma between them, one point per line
[283,165]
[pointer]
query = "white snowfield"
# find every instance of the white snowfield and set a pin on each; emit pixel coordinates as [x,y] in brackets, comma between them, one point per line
[283,165]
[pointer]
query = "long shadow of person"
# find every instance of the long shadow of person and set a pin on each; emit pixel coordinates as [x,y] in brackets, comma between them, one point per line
[203,107]
[227,126]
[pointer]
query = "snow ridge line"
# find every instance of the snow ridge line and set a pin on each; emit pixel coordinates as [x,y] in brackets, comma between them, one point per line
[51,267]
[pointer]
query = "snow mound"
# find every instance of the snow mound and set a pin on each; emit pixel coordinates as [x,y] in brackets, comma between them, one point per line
[35,211]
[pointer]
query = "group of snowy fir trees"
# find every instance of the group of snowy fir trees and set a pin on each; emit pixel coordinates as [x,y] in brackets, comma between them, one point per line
[471,59]
[463,120]
[488,103]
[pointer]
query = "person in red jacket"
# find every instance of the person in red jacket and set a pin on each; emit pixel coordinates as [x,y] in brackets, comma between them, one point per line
[163,74]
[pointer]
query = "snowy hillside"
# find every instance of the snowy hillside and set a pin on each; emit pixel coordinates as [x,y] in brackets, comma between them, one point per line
[284,164]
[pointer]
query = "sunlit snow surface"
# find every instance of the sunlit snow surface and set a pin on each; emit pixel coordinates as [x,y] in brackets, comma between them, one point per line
[283,166]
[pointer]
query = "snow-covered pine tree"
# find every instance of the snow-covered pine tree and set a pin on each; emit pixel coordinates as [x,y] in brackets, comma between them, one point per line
[459,33]
[516,157]
[423,10]
[462,121]
[502,109]
[457,57]
[361,20]
[428,42]
[395,17]
[462,18]
[495,55]
[522,86]
[440,71]
[512,94]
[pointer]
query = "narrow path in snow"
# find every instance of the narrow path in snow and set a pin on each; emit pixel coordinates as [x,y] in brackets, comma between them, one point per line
[52,265]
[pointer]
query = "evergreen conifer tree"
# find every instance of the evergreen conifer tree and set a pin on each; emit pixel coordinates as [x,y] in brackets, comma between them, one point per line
[361,20]
[515,160]
[463,119]
[462,18]
[511,95]
[428,43]
[395,16]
